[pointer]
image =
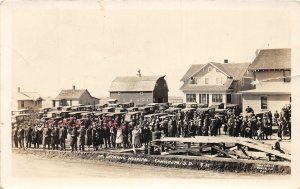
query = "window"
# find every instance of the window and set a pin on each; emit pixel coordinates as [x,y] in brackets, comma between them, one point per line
[148,99]
[143,99]
[70,102]
[119,93]
[264,102]
[141,93]
[206,80]
[22,104]
[287,76]
[138,99]
[191,97]
[228,98]
[209,69]
[53,103]
[217,98]
[165,85]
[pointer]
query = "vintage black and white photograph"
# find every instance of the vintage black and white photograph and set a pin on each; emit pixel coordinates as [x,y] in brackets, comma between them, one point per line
[148,93]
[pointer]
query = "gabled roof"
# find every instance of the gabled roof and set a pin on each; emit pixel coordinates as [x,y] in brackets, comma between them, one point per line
[134,83]
[208,88]
[28,96]
[71,94]
[234,70]
[192,70]
[272,59]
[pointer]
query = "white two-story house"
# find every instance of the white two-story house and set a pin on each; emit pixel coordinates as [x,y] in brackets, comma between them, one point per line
[272,71]
[216,82]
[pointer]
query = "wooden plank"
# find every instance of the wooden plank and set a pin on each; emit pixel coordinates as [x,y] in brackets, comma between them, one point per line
[224,152]
[274,152]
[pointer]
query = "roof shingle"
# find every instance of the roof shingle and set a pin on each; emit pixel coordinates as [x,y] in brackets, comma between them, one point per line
[70,94]
[272,59]
[134,83]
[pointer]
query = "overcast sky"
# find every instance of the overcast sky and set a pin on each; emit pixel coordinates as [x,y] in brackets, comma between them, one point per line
[55,49]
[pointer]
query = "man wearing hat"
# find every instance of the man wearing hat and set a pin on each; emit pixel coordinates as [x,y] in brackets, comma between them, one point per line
[21,135]
[35,137]
[74,135]
[54,138]
[15,135]
[62,135]
[28,136]
[82,133]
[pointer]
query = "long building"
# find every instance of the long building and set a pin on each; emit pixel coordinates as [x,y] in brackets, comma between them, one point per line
[139,89]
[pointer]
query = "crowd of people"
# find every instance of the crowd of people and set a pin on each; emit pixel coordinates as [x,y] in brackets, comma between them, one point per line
[99,132]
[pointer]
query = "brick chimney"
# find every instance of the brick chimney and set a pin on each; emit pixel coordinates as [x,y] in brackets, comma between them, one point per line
[225,61]
[73,87]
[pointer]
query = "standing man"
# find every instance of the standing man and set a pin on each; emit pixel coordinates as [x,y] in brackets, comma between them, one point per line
[62,135]
[82,133]
[35,137]
[54,138]
[15,135]
[46,137]
[74,135]
[28,137]
[21,136]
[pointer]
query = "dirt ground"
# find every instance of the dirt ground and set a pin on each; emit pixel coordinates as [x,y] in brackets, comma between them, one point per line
[26,165]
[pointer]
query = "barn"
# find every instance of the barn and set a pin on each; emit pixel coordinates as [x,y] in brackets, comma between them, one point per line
[141,90]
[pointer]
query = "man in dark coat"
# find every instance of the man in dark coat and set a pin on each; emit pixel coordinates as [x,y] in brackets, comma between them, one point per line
[107,136]
[74,135]
[54,138]
[82,133]
[63,133]
[35,137]
[28,135]
[89,136]
[15,136]
[95,137]
[21,136]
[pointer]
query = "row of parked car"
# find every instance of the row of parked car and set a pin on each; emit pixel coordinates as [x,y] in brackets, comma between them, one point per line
[81,113]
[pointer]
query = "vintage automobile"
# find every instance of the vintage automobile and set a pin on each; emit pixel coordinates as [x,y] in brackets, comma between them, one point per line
[114,116]
[87,114]
[132,109]
[191,105]
[127,105]
[235,107]
[150,116]
[108,109]
[154,105]
[147,110]
[202,105]
[65,114]
[173,110]
[120,110]
[22,111]
[178,105]
[66,108]
[87,108]
[217,105]
[76,115]
[17,119]
[207,111]
[220,112]
[130,115]
[167,117]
